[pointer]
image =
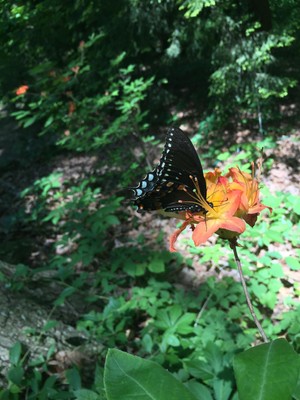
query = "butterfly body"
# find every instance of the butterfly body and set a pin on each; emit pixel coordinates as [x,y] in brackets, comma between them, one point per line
[177,183]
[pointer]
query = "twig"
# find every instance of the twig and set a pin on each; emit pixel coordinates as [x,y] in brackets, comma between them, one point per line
[233,244]
[202,309]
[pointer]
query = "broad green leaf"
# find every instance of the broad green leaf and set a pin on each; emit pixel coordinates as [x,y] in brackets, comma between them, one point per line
[268,371]
[129,377]
[15,353]
[147,342]
[172,340]
[269,299]
[156,265]
[15,375]
[258,289]
[224,156]
[13,389]
[276,270]
[293,263]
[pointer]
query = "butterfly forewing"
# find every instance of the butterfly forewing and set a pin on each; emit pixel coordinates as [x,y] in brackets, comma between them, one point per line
[169,186]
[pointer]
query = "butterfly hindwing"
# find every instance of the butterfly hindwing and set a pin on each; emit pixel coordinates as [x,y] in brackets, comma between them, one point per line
[169,185]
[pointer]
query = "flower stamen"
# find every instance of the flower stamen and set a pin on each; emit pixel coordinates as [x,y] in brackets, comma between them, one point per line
[200,199]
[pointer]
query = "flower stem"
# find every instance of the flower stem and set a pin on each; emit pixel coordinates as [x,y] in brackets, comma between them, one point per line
[233,245]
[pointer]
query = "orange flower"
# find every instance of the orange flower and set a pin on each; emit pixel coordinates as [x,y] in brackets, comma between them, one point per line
[250,205]
[232,200]
[22,90]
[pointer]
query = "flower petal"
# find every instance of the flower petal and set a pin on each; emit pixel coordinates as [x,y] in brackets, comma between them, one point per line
[204,230]
[230,206]
[175,235]
[234,224]
[258,208]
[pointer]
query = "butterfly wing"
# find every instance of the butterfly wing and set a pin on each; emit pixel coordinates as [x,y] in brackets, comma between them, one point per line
[169,185]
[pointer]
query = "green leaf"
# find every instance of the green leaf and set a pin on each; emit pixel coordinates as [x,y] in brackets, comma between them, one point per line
[222,389]
[37,361]
[85,394]
[268,371]
[200,391]
[199,369]
[276,270]
[15,375]
[13,389]
[98,381]
[112,220]
[296,393]
[129,377]
[156,265]
[293,263]
[172,340]
[269,299]
[147,343]
[52,323]
[224,156]
[135,269]
[30,121]
[258,289]
[73,378]
[49,121]
[50,382]
[15,353]
[51,351]
[68,291]
[183,325]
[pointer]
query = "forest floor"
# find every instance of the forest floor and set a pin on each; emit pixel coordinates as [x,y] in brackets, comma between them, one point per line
[24,159]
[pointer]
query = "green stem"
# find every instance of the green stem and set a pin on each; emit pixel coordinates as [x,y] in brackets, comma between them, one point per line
[233,245]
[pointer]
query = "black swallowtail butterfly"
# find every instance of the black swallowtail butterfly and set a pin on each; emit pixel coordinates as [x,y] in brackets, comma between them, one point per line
[177,183]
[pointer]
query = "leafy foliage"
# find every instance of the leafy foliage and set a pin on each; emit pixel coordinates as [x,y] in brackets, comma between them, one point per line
[101,77]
